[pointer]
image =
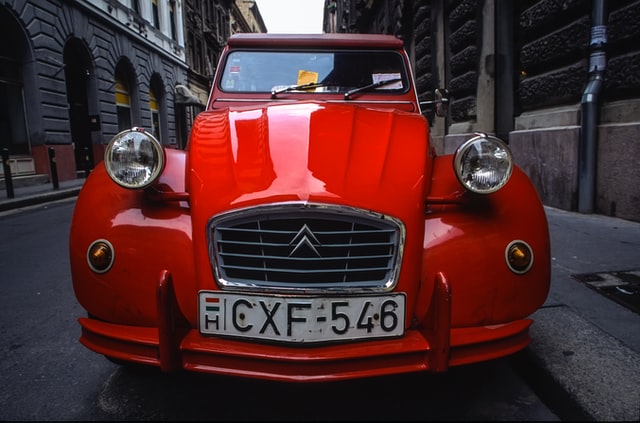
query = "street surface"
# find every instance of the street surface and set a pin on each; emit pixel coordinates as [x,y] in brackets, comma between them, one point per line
[45,374]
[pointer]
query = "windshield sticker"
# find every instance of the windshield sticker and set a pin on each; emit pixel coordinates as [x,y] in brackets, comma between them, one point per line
[307,77]
[377,77]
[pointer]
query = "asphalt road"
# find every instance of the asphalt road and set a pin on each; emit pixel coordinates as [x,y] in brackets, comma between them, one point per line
[45,374]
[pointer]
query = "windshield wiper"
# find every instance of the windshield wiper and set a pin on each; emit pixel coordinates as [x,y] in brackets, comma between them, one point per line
[367,87]
[306,86]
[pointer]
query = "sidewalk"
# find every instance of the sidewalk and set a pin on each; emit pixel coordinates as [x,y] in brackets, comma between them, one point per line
[586,342]
[30,195]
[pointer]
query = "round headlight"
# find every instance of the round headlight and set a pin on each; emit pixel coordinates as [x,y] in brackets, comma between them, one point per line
[483,164]
[134,158]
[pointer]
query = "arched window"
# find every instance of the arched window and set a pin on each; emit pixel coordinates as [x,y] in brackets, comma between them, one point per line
[13,113]
[123,104]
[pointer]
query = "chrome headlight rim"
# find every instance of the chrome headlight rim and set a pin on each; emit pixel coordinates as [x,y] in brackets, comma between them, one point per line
[148,160]
[499,163]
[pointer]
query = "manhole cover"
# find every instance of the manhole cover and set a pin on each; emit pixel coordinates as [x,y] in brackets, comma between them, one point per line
[622,287]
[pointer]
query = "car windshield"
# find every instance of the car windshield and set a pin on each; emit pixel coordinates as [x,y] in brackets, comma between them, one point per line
[277,72]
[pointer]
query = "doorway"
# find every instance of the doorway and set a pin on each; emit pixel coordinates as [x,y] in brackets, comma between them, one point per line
[78,72]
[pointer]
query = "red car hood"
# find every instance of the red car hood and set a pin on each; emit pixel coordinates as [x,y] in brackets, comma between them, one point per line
[314,153]
[309,152]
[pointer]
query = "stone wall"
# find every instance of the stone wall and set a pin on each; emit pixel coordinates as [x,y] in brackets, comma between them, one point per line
[552,49]
[464,29]
[553,58]
[453,43]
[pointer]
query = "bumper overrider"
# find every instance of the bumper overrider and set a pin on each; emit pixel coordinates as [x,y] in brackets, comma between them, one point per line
[428,346]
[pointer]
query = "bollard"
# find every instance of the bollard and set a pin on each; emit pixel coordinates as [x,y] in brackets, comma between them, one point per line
[8,181]
[54,167]
[87,167]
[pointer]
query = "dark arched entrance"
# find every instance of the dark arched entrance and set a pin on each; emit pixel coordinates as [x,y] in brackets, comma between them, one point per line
[13,54]
[78,71]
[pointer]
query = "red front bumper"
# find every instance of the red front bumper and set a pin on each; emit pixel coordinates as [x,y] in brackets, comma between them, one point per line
[433,348]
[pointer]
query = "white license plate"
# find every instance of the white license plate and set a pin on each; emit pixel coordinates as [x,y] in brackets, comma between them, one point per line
[301,319]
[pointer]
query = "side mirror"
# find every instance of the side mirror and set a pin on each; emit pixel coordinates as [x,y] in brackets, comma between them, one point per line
[441,102]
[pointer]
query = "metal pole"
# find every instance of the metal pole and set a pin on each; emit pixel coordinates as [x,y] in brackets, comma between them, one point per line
[6,167]
[54,167]
[588,145]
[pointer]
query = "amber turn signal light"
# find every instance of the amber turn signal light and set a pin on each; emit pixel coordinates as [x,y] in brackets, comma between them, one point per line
[100,255]
[519,256]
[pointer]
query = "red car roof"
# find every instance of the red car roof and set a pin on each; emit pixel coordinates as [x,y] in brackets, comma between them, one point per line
[314,40]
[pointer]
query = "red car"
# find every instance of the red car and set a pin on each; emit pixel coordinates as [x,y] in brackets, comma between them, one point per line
[308,232]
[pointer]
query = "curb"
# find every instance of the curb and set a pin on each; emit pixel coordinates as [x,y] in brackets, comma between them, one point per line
[14,203]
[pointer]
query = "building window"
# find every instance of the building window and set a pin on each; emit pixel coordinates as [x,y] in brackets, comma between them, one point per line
[155,113]
[198,56]
[211,62]
[191,46]
[123,105]
[220,28]
[155,13]
[211,14]
[135,5]
[172,19]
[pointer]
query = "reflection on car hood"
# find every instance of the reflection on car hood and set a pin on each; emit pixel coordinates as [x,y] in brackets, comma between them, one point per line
[307,152]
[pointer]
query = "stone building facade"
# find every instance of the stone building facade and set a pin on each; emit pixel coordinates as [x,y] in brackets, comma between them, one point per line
[77,72]
[208,25]
[73,73]
[247,18]
[559,80]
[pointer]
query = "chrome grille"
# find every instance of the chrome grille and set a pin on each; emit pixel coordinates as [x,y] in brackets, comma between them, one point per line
[305,247]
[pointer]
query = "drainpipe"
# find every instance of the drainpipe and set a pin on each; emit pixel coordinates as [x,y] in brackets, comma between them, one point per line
[588,143]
